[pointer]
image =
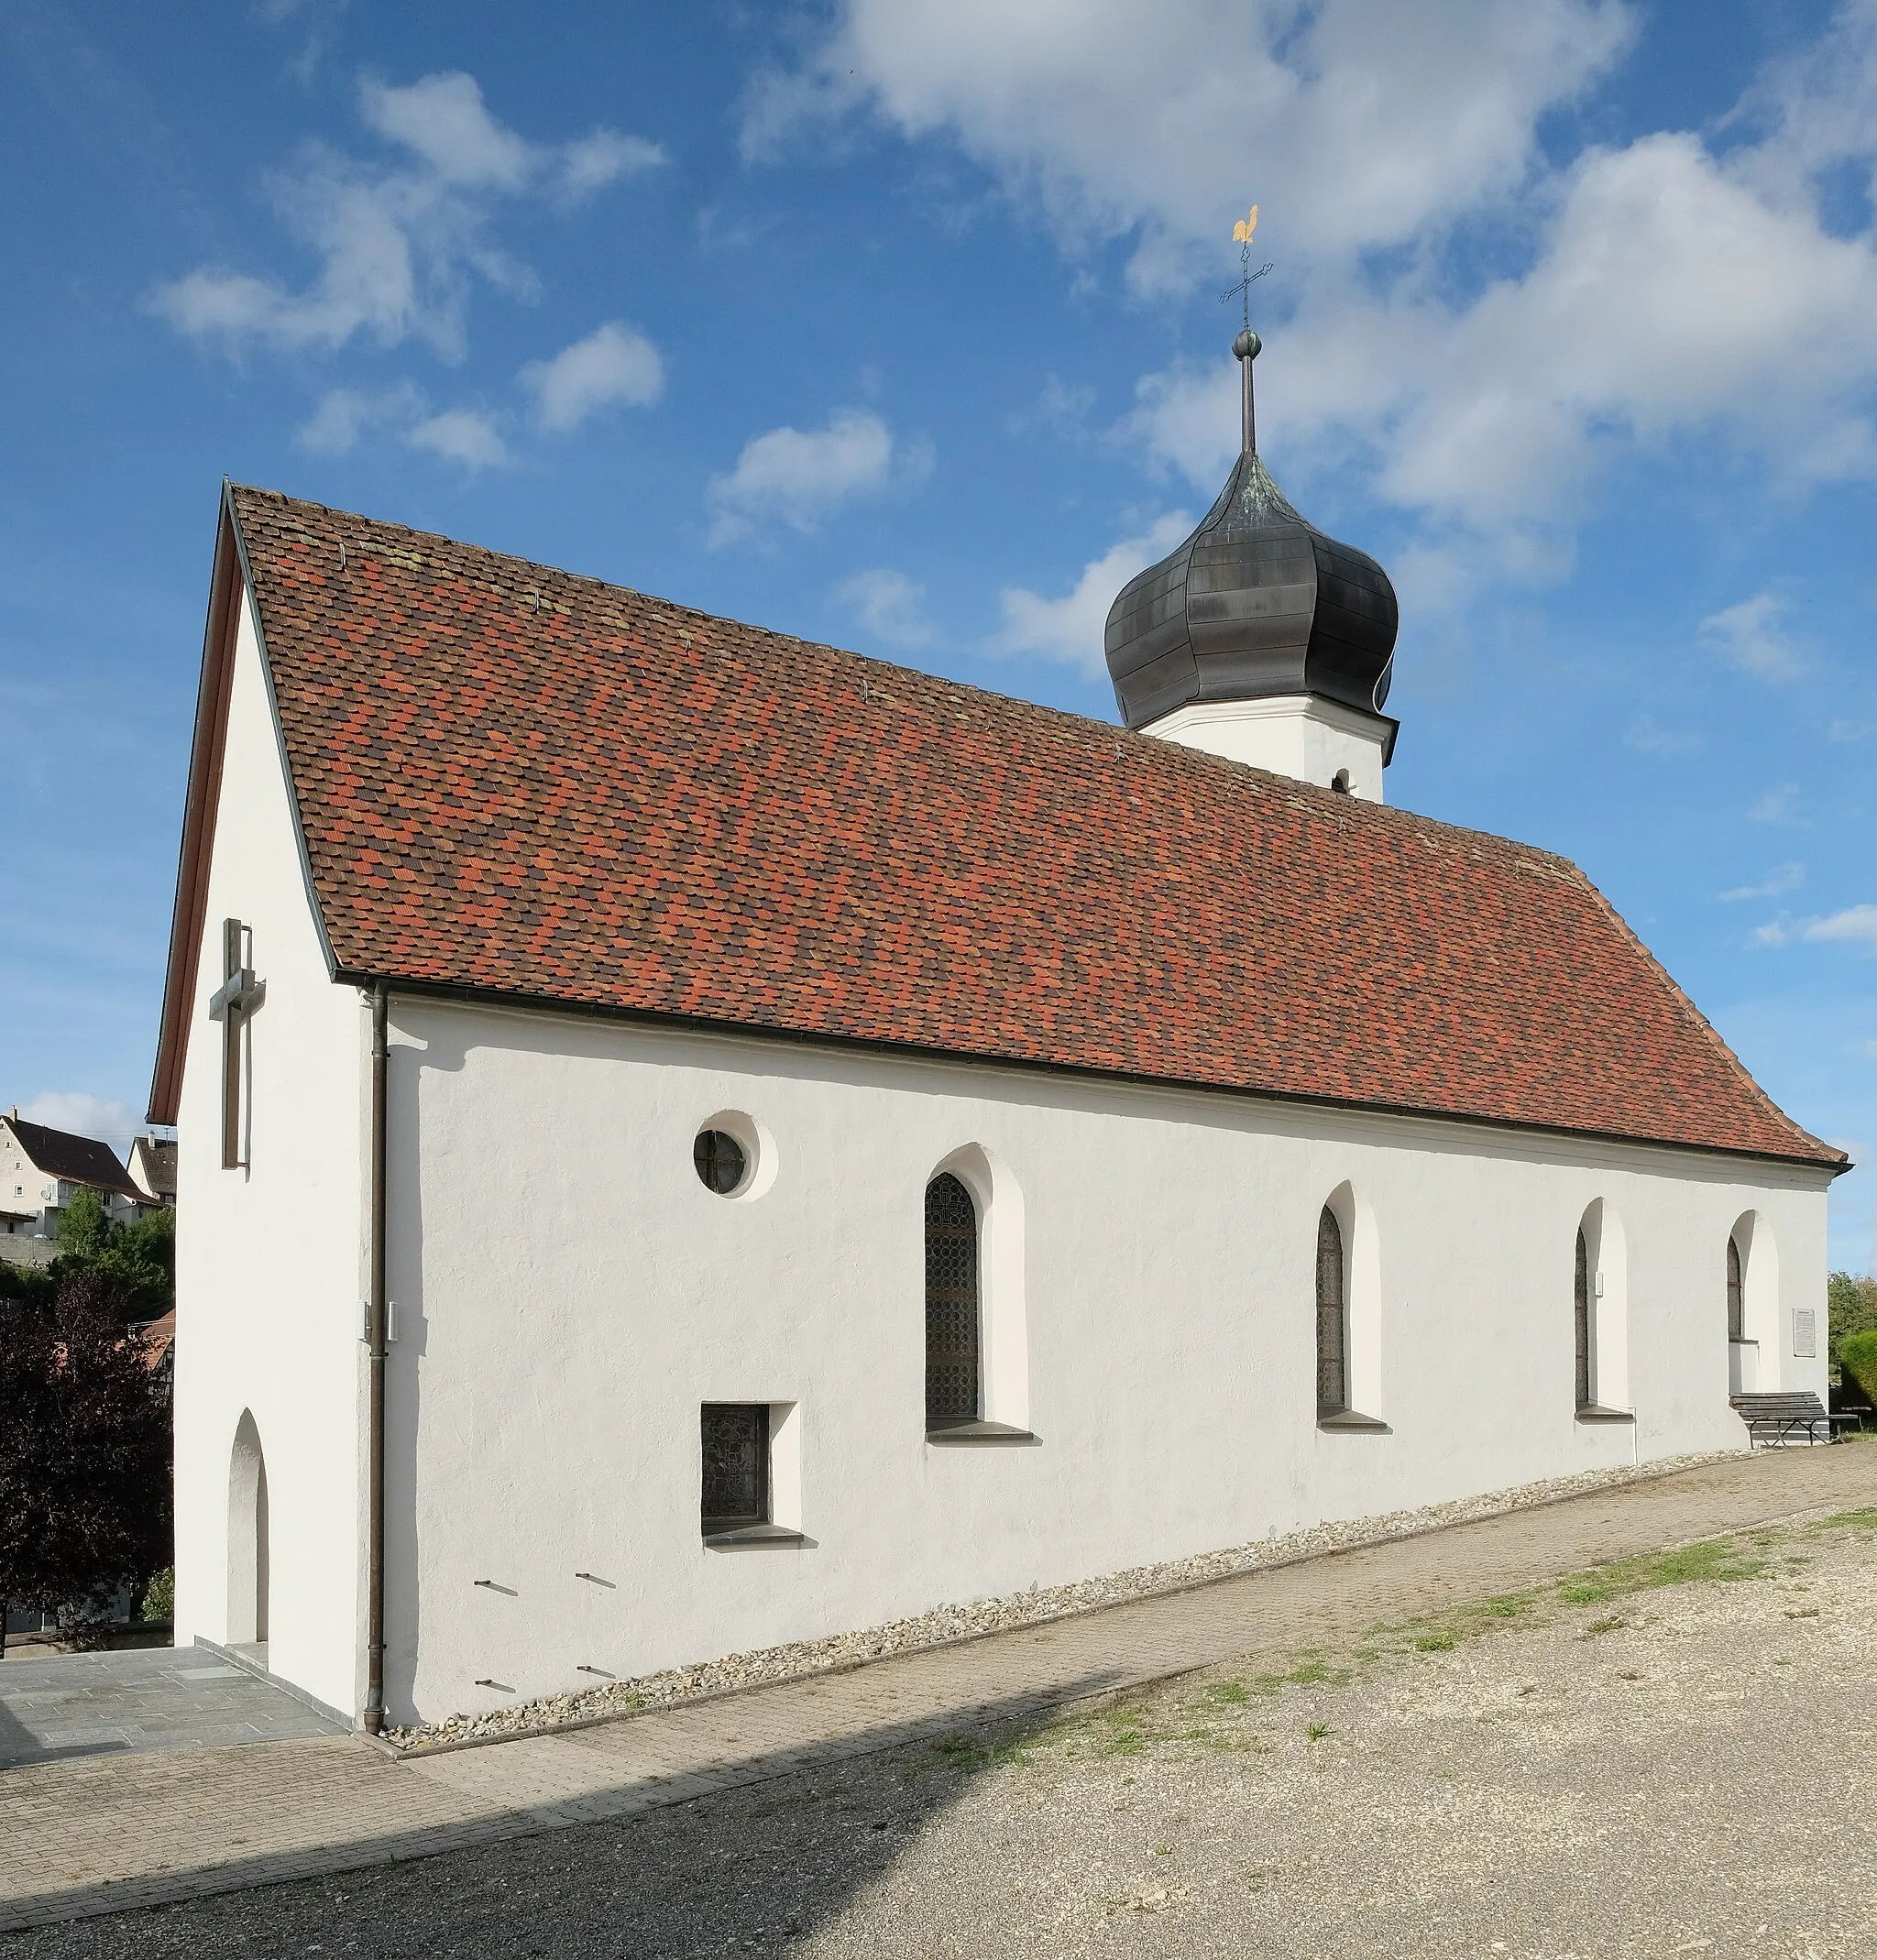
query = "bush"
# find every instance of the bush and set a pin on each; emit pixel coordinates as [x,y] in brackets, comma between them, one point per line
[1851,1306]
[1857,1356]
[160,1596]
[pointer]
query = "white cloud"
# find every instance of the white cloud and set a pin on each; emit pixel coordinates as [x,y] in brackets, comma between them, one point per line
[400,245]
[605,157]
[1785,878]
[344,414]
[1749,636]
[798,476]
[1647,739]
[1856,924]
[889,605]
[95,1116]
[461,436]
[1071,630]
[1356,123]
[1774,805]
[443,120]
[1771,934]
[1644,293]
[615,366]
[1059,408]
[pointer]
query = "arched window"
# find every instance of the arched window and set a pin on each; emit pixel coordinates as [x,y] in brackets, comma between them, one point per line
[1581,1296]
[952,1370]
[1735,1293]
[1332,1318]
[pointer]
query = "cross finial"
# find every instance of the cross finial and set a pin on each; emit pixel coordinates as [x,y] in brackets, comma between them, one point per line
[1242,233]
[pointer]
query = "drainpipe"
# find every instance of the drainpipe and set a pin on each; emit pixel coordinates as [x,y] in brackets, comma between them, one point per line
[375,1332]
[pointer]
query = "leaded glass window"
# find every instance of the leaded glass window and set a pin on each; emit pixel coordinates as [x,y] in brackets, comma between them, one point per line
[951,1303]
[1332,1318]
[1735,1299]
[736,1465]
[1581,1297]
[720,1160]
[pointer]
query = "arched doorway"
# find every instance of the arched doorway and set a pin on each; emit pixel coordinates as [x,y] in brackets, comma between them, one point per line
[247,1538]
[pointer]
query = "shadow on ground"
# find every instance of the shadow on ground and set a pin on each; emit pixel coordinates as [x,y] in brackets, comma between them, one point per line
[747,1869]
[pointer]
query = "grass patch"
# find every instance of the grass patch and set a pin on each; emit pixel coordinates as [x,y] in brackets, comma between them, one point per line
[1317,1731]
[1865,1520]
[1714,1560]
[1612,1624]
[963,1752]
[1441,1641]
[1315,1674]
[1228,1693]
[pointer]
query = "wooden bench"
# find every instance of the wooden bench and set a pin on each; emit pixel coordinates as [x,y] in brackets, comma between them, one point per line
[1776,1420]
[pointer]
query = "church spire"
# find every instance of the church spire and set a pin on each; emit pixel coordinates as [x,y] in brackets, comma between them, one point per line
[1260,637]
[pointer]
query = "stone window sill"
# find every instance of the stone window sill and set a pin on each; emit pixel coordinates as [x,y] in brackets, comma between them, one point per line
[1596,1412]
[754,1535]
[1349,1419]
[978,1432]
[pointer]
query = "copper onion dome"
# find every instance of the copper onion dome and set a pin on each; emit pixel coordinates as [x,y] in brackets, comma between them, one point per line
[1257,602]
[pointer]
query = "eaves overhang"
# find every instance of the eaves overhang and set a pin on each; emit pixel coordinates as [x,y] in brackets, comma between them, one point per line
[463,994]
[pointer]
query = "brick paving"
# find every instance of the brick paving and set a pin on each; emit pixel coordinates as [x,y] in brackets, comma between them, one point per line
[100,1834]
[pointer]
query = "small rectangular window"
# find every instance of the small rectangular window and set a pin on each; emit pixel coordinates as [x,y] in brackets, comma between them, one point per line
[736,1466]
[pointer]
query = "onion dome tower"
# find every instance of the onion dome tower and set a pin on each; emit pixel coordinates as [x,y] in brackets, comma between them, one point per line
[1260,638]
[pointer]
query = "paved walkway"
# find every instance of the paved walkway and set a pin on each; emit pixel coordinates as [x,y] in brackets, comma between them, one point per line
[66,1705]
[102,1833]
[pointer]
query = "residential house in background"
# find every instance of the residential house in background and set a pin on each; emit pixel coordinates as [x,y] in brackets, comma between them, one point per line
[153,1168]
[42,1169]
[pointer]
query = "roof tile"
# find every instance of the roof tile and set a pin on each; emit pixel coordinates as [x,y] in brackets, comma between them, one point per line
[516,780]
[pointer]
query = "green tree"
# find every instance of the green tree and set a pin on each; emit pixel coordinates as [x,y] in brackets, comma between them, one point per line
[1852,1302]
[85,1226]
[137,1260]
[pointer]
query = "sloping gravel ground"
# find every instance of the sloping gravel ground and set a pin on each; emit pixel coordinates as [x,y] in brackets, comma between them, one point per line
[1670,1756]
[1030,1608]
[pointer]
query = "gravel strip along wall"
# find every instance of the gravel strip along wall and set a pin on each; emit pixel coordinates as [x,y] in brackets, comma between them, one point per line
[945,1625]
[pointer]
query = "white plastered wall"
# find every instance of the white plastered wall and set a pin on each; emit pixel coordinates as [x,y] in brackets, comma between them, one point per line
[569,1295]
[1293,735]
[267,1259]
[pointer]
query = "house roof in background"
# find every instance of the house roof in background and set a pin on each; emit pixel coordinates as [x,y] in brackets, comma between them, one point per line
[77,1159]
[520,782]
[153,1166]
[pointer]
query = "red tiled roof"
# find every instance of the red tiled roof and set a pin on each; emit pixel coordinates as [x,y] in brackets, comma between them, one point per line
[517,779]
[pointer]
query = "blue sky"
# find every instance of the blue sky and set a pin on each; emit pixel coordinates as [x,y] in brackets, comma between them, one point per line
[897,325]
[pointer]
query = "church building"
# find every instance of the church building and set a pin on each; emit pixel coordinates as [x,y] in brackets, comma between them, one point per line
[691,1140]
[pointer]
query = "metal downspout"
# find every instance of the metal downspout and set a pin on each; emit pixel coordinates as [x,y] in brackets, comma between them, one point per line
[376,1330]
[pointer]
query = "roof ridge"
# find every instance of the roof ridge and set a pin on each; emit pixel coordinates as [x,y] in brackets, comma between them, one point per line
[1156,749]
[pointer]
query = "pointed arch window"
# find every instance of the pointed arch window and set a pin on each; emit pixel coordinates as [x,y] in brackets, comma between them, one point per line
[1581,1300]
[953,1343]
[1735,1293]
[1332,1317]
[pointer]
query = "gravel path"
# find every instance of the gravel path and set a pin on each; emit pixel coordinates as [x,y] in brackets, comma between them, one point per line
[1030,1608]
[1666,1756]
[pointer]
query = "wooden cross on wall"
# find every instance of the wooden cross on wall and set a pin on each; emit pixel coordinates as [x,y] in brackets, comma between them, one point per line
[232,1003]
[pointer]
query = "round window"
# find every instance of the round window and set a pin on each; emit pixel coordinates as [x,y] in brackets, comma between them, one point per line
[721,1161]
